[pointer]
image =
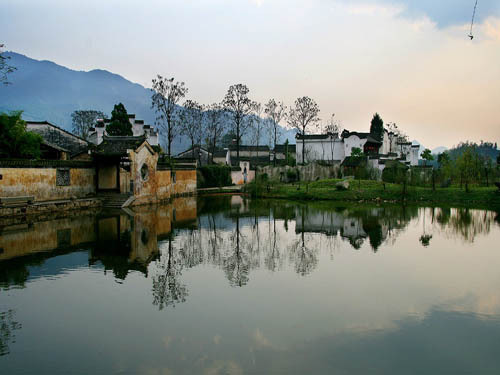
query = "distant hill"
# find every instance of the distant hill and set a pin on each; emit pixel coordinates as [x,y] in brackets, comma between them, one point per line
[47,91]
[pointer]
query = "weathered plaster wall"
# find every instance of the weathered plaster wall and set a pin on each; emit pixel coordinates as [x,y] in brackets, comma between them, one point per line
[237,177]
[124,181]
[163,184]
[107,177]
[41,183]
[185,183]
[144,188]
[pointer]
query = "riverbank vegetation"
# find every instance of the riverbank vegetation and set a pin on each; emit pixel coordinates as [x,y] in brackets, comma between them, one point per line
[376,191]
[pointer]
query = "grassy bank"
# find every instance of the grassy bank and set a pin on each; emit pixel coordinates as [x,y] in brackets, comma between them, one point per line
[375,191]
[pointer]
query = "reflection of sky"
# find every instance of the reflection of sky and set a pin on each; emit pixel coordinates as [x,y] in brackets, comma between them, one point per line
[398,310]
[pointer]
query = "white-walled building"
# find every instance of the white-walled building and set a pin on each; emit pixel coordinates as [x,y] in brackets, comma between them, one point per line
[334,149]
[138,129]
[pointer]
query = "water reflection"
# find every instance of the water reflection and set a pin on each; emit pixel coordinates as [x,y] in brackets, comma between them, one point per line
[231,285]
[232,233]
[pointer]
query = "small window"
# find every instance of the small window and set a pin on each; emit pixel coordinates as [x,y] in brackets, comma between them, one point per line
[174,177]
[144,172]
[62,177]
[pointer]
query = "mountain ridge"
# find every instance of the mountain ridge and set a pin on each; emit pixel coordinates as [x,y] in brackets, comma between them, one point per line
[45,90]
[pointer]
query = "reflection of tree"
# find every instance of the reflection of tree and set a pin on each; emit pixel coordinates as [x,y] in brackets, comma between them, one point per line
[304,258]
[237,264]
[465,222]
[167,288]
[425,239]
[7,327]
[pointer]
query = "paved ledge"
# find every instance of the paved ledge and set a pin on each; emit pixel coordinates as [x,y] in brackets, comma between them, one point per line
[37,208]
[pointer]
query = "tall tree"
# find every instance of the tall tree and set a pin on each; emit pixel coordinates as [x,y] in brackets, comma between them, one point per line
[15,141]
[166,94]
[275,112]
[334,129]
[427,156]
[377,127]
[83,120]
[120,124]
[302,116]
[465,165]
[215,126]
[239,106]
[5,68]
[257,127]
[191,122]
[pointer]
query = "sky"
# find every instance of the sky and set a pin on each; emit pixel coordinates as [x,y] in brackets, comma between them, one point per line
[410,61]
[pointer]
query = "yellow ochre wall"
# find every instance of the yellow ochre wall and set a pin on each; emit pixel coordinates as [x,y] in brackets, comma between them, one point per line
[41,183]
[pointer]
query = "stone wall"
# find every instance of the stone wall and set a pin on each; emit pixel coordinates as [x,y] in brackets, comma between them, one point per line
[310,172]
[47,181]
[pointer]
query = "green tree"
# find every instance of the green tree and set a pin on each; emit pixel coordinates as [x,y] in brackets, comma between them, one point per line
[357,152]
[377,127]
[120,124]
[427,156]
[466,166]
[15,140]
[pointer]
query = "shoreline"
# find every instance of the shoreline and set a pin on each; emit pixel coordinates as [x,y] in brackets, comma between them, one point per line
[367,191]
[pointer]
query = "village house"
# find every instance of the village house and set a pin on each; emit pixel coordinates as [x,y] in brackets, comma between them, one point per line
[118,172]
[198,153]
[280,152]
[332,148]
[57,143]
[138,129]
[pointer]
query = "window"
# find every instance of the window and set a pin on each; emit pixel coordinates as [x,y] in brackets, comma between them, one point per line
[62,177]
[144,172]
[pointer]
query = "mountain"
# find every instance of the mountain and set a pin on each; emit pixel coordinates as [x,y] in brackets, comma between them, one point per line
[439,150]
[48,91]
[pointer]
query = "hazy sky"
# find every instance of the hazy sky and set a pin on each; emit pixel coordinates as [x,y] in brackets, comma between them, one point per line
[411,61]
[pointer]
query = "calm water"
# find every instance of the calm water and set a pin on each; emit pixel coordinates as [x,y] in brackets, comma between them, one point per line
[230,286]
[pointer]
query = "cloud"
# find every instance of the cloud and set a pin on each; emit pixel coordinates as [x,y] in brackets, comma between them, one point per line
[444,13]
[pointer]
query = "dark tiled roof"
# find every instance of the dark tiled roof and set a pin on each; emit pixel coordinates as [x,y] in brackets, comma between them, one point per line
[220,154]
[118,146]
[282,148]
[139,122]
[249,148]
[261,160]
[312,136]
[367,136]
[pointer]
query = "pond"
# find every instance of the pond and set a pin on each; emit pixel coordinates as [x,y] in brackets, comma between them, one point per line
[227,285]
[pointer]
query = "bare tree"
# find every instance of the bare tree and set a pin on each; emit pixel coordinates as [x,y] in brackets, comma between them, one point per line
[215,126]
[166,94]
[239,106]
[302,116]
[5,68]
[83,120]
[334,129]
[275,111]
[257,127]
[191,123]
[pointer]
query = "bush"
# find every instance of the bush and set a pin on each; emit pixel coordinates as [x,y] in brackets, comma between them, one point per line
[291,175]
[215,175]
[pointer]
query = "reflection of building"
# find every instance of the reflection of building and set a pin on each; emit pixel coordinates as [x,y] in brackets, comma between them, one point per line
[376,224]
[121,242]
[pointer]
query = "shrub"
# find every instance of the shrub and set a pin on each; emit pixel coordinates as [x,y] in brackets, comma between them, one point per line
[215,175]
[291,175]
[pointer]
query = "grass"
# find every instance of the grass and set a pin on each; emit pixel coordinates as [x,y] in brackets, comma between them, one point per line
[367,190]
